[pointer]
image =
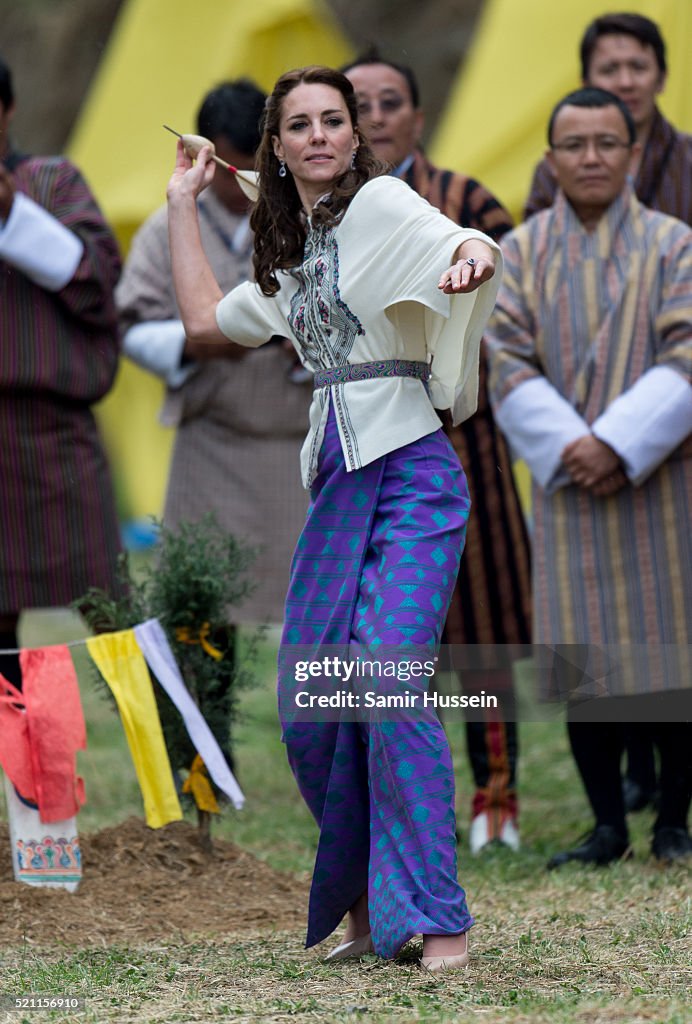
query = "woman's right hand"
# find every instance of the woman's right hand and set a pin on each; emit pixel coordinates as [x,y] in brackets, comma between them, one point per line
[190,177]
[196,287]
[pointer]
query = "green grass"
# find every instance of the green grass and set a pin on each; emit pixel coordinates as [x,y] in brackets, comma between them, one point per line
[579,946]
[529,979]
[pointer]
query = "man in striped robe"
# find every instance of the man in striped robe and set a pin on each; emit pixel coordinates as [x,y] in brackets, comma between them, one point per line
[590,351]
[626,54]
[58,265]
[491,601]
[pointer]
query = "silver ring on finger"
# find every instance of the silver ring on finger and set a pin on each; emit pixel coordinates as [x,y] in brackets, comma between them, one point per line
[471,261]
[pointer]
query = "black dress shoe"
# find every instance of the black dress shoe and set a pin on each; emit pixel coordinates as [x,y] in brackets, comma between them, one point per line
[602,846]
[671,843]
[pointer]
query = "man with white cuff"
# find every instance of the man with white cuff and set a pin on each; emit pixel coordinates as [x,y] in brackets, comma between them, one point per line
[590,348]
[59,263]
[240,414]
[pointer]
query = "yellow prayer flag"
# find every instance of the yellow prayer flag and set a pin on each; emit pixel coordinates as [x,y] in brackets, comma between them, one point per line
[197,783]
[121,663]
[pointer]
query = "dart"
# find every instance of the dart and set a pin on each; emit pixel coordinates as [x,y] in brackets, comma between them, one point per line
[192,145]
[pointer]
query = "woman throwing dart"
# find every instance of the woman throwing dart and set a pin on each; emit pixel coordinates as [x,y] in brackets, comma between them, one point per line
[385,300]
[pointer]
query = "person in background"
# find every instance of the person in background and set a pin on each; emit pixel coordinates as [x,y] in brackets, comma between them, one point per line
[59,263]
[491,603]
[240,414]
[626,54]
[590,351]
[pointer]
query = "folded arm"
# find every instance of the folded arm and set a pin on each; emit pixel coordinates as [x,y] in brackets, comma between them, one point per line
[538,421]
[649,420]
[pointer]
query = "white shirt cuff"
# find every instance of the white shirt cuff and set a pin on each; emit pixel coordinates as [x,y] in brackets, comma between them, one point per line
[157,346]
[648,421]
[35,242]
[539,423]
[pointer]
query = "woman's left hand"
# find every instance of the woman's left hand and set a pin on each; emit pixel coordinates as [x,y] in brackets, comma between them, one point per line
[475,266]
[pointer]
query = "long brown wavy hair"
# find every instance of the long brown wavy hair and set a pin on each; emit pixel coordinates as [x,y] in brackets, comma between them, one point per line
[277,218]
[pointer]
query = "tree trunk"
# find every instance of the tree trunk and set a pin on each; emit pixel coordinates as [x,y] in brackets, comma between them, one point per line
[204,832]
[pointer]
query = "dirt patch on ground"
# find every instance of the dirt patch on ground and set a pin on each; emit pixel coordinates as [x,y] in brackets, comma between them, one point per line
[141,885]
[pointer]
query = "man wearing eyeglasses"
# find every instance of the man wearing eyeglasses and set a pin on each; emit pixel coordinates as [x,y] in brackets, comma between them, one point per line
[590,351]
[625,54]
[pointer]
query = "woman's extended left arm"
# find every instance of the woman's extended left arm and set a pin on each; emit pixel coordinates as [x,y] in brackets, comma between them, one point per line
[474,264]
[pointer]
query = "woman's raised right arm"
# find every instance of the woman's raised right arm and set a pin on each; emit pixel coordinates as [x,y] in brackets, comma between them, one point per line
[196,287]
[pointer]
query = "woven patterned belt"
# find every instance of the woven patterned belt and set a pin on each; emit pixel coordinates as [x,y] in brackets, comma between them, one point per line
[370,371]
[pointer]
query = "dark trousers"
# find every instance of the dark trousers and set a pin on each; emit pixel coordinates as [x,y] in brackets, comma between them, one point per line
[641,763]
[598,747]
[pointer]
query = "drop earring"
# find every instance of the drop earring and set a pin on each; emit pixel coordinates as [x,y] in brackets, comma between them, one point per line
[282,169]
[353,160]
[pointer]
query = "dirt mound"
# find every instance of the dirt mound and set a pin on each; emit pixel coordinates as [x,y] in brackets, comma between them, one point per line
[143,885]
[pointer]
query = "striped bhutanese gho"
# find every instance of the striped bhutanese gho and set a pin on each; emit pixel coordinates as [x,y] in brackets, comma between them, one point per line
[592,312]
[58,355]
[240,422]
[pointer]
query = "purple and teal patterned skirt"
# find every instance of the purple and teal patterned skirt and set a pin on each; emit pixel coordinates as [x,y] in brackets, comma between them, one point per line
[374,567]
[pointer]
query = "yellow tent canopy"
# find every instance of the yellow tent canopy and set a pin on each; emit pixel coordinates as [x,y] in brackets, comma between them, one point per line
[162,57]
[523,59]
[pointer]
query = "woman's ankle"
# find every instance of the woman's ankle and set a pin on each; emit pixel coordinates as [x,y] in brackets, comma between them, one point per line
[358,919]
[445,945]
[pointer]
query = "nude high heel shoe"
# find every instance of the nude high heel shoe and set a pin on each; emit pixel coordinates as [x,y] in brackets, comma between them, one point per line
[356,947]
[438,964]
